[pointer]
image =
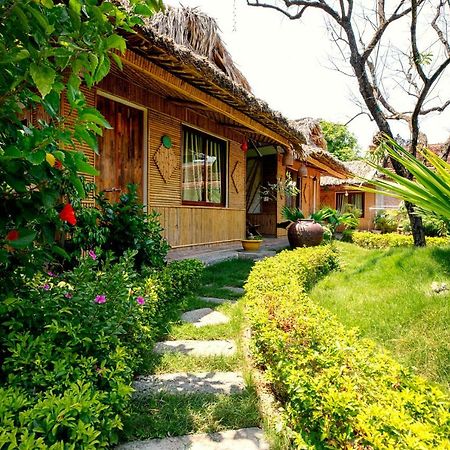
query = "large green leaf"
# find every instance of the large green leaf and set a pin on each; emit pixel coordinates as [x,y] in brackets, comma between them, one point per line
[92,115]
[26,237]
[43,77]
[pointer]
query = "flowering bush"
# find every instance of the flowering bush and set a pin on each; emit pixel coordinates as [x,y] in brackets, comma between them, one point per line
[79,337]
[372,240]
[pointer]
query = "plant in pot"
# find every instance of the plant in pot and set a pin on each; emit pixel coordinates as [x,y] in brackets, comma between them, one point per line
[331,219]
[252,243]
[302,232]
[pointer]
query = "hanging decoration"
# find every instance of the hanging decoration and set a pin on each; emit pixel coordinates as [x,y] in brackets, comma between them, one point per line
[244,146]
[166,160]
[237,177]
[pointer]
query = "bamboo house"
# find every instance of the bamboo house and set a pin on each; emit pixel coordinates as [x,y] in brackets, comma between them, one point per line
[188,130]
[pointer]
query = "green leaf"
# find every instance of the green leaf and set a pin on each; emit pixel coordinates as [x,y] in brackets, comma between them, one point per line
[92,115]
[47,3]
[83,135]
[85,167]
[37,157]
[43,77]
[25,239]
[78,185]
[49,197]
[143,10]
[115,41]
[117,60]
[60,251]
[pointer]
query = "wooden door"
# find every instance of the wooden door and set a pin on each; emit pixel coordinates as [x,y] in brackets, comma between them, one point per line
[121,149]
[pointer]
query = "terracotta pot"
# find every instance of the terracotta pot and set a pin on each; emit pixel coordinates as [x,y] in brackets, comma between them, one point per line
[251,245]
[305,233]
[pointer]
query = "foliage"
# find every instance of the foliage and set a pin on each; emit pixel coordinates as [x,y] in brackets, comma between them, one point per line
[293,214]
[337,390]
[130,228]
[372,240]
[284,187]
[387,221]
[81,335]
[332,219]
[340,141]
[430,189]
[49,49]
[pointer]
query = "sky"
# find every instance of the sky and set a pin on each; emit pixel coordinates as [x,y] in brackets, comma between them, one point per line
[287,63]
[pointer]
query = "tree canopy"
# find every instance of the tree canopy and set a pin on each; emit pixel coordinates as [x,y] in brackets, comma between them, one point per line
[340,141]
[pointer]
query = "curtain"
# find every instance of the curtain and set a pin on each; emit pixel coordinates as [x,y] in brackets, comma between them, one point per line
[193,164]
[213,172]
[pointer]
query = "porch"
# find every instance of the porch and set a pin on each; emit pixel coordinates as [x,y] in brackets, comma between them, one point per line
[229,250]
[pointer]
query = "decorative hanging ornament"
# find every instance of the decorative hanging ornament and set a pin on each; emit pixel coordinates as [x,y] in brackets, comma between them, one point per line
[244,146]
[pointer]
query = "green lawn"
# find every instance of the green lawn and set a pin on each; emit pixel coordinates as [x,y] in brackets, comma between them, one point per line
[387,295]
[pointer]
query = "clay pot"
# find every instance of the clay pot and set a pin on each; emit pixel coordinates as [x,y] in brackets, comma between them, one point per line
[305,233]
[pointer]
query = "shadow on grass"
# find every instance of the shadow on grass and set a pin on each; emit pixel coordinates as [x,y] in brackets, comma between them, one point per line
[165,415]
[442,257]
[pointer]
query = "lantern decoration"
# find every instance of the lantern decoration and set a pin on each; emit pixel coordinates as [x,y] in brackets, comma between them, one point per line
[244,146]
[288,157]
[303,171]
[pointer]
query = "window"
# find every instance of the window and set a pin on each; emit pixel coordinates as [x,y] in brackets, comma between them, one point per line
[354,200]
[204,169]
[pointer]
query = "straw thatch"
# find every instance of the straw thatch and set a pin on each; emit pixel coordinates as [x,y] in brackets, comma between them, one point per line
[199,33]
[312,131]
[358,168]
[202,72]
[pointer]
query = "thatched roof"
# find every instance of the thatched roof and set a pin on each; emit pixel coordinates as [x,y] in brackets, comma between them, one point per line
[315,149]
[200,59]
[199,33]
[358,168]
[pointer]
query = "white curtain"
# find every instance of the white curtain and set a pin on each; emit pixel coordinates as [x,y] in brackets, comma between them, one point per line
[213,172]
[193,164]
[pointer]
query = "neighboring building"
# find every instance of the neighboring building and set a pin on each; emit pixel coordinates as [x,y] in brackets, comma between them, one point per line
[342,193]
[183,117]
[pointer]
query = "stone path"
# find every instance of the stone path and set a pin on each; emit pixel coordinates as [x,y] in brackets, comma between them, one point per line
[217,301]
[236,290]
[197,348]
[204,316]
[243,439]
[190,383]
[183,383]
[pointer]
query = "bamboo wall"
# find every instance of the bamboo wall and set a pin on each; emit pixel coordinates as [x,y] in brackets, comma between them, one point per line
[183,225]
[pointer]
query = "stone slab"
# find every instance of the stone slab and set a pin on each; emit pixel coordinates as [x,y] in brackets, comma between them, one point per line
[197,348]
[190,383]
[204,316]
[243,439]
[236,290]
[216,300]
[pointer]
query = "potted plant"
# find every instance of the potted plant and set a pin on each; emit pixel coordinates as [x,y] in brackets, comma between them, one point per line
[252,243]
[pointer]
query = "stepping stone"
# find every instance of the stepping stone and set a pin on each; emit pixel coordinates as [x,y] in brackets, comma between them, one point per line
[243,439]
[204,316]
[189,383]
[197,348]
[218,301]
[236,290]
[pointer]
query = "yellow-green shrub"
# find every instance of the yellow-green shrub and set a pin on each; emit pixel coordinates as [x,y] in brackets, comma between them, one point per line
[373,240]
[337,389]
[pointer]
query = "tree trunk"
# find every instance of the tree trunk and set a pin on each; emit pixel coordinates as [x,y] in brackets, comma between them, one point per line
[417,229]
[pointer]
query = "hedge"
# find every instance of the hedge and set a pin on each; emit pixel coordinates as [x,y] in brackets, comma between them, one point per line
[373,240]
[337,389]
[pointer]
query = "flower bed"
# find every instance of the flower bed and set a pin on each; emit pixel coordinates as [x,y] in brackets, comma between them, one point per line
[70,344]
[337,390]
[373,240]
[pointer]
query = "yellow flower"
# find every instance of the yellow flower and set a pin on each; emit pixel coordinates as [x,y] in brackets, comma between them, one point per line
[50,159]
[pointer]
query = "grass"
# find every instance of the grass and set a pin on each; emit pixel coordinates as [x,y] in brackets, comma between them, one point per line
[175,415]
[165,415]
[387,295]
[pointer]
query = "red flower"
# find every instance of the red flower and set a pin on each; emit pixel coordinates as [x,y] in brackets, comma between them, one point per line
[12,235]
[58,164]
[67,214]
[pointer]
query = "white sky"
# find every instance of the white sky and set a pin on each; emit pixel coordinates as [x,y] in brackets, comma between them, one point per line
[287,64]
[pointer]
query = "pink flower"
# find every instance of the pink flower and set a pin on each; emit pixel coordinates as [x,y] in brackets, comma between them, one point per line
[100,299]
[140,300]
[46,287]
[68,295]
[92,254]
[51,274]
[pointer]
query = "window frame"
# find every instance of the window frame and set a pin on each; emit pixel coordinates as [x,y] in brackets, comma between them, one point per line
[351,194]
[224,172]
